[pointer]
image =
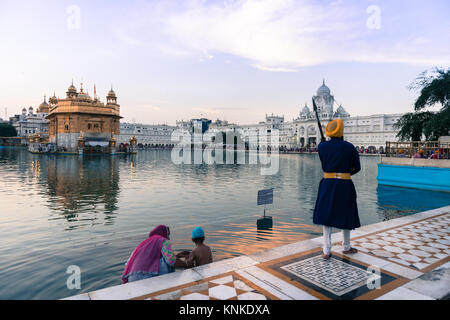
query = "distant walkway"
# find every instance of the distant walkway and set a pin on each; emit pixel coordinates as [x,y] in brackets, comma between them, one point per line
[403,258]
[315,152]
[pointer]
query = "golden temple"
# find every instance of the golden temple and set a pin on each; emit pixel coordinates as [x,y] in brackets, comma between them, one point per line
[83,122]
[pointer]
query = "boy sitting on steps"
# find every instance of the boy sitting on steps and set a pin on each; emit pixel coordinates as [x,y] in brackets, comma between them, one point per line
[202,253]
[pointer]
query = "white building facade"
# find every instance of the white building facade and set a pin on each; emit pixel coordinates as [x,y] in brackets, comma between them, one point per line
[147,135]
[30,122]
[364,132]
[368,133]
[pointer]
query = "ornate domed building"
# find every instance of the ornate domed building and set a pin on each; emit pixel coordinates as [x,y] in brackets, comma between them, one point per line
[324,101]
[363,131]
[305,126]
[80,120]
[29,122]
[368,132]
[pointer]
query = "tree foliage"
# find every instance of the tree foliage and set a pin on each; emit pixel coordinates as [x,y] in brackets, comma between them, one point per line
[434,87]
[7,130]
[411,125]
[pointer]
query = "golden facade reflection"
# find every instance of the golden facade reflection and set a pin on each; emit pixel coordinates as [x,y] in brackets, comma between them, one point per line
[83,187]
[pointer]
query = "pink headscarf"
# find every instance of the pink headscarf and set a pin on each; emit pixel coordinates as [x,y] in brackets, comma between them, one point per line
[147,254]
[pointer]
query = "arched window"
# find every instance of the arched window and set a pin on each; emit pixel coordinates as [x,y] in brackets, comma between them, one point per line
[89,126]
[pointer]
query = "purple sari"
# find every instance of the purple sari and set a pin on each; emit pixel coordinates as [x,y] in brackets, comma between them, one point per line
[145,258]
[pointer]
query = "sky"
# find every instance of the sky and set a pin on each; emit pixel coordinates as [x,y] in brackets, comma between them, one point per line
[235,60]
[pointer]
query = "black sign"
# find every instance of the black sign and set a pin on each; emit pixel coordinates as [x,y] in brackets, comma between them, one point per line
[265,197]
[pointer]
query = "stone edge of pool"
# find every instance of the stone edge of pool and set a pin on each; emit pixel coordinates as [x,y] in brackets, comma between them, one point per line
[416,288]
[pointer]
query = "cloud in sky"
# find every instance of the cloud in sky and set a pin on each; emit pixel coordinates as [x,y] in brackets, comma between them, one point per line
[125,37]
[284,35]
[263,55]
[273,69]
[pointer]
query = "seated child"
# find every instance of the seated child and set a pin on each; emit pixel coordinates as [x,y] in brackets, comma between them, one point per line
[202,253]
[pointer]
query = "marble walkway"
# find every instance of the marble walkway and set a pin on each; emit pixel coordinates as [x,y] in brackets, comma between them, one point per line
[403,258]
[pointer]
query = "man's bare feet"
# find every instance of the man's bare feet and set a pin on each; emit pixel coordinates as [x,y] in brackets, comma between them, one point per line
[351,251]
[326,256]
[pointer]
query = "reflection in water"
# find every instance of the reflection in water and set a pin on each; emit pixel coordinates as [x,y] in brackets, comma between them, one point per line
[92,212]
[396,201]
[83,187]
[246,239]
[264,235]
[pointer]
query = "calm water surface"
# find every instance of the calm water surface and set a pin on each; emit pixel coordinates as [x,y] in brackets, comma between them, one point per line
[57,211]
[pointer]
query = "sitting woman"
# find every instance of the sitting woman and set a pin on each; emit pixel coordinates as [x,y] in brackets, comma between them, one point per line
[153,257]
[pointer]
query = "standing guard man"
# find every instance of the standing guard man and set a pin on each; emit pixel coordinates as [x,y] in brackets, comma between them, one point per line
[336,200]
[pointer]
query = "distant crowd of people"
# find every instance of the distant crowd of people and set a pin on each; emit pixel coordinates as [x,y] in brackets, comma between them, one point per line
[306,149]
[402,153]
[155,146]
[313,148]
[421,154]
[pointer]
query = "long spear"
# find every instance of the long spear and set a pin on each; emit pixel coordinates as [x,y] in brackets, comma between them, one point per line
[322,139]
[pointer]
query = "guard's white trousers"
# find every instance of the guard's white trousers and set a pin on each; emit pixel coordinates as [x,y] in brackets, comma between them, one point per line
[327,239]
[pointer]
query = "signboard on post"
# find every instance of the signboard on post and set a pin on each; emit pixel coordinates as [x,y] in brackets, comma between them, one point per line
[265,197]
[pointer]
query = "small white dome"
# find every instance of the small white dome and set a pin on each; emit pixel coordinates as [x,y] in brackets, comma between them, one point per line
[341,110]
[323,90]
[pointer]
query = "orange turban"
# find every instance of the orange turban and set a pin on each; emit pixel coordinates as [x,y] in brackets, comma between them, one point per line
[335,128]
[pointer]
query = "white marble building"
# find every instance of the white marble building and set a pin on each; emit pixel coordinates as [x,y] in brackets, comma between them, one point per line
[371,132]
[365,132]
[256,135]
[147,134]
[30,122]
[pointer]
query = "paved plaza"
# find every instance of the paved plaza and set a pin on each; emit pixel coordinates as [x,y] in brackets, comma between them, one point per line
[403,258]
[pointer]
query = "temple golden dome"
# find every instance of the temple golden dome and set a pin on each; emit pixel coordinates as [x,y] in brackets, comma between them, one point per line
[43,107]
[53,100]
[111,93]
[72,88]
[44,104]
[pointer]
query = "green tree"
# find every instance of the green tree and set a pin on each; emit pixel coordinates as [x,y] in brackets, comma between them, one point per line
[434,87]
[7,130]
